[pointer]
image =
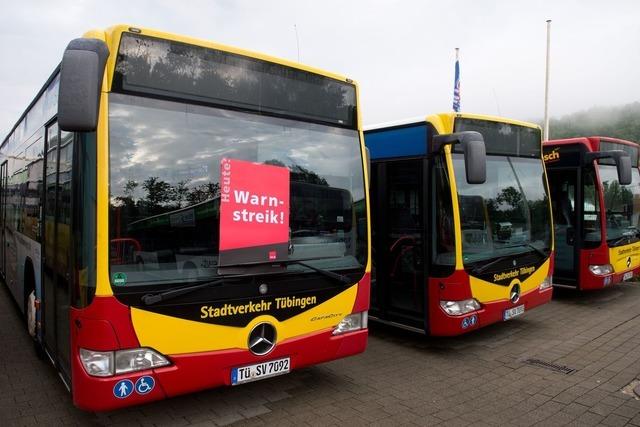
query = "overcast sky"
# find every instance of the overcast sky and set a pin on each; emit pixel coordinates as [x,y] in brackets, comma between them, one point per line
[401,52]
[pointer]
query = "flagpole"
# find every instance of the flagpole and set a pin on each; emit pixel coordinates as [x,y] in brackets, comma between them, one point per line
[456,83]
[546,84]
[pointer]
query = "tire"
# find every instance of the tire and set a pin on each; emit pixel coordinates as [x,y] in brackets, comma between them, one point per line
[29,288]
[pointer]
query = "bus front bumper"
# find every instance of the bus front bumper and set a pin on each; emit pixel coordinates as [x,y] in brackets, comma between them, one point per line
[199,371]
[591,281]
[442,324]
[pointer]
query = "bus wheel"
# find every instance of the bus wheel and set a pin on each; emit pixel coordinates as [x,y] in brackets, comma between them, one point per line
[29,294]
[31,315]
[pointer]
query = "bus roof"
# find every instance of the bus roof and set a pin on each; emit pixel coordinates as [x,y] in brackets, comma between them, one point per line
[588,140]
[450,116]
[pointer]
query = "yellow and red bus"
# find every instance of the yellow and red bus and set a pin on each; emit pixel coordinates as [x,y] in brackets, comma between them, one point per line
[462,232]
[595,192]
[178,215]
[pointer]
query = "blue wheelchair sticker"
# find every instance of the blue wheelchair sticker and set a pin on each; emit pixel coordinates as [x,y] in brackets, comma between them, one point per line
[469,321]
[123,389]
[145,384]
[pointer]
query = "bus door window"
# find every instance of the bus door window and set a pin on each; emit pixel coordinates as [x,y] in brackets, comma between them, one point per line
[404,199]
[3,201]
[562,184]
[591,229]
[49,277]
[63,254]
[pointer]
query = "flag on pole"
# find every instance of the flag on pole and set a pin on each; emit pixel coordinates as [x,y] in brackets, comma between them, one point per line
[456,86]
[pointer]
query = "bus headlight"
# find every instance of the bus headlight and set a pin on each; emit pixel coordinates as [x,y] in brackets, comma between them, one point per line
[352,322]
[546,283]
[138,359]
[97,363]
[108,363]
[456,308]
[601,270]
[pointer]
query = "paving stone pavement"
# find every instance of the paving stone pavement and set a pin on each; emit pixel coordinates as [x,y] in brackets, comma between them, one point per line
[403,378]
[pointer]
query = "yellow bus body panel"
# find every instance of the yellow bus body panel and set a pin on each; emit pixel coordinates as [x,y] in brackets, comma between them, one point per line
[171,335]
[486,292]
[624,258]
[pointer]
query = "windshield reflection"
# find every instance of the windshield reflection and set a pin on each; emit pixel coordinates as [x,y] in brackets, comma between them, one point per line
[508,214]
[165,190]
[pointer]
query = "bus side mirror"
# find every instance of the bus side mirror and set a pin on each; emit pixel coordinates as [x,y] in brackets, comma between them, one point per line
[81,74]
[475,155]
[623,165]
[622,159]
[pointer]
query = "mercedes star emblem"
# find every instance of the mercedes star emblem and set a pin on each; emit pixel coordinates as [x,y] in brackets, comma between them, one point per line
[515,293]
[262,339]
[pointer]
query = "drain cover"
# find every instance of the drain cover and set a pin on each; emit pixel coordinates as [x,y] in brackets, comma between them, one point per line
[552,366]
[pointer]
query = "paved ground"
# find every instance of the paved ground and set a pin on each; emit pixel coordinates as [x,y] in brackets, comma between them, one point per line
[478,379]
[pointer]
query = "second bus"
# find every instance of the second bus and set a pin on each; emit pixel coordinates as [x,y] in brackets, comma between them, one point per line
[462,231]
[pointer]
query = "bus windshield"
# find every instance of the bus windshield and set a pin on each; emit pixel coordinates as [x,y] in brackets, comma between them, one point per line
[508,214]
[165,190]
[622,206]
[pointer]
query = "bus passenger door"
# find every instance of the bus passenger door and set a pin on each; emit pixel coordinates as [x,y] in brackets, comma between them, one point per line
[400,288]
[48,234]
[3,203]
[563,188]
[57,240]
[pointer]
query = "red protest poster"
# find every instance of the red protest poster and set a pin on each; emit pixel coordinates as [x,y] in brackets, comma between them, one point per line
[254,212]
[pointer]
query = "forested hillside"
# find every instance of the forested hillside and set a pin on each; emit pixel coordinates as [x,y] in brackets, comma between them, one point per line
[620,122]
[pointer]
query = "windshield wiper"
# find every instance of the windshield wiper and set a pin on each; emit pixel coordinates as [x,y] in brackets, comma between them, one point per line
[150,299]
[620,240]
[530,246]
[340,278]
[502,258]
[494,262]
[627,236]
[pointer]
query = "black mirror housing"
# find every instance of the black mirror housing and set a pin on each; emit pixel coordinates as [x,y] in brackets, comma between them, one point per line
[622,159]
[623,165]
[81,74]
[475,155]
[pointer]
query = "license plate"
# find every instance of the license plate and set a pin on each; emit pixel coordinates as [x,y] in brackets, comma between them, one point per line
[627,276]
[510,313]
[245,374]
